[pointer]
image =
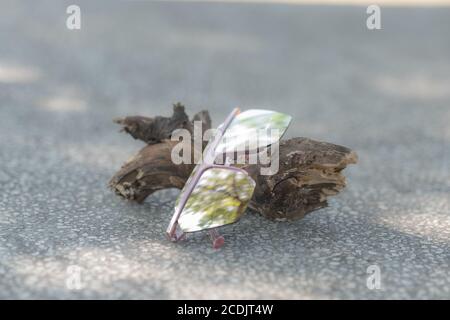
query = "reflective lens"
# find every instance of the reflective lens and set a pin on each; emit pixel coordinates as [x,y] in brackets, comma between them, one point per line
[220,197]
[253,129]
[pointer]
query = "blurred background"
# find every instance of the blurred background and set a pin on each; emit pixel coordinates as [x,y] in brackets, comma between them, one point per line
[384,93]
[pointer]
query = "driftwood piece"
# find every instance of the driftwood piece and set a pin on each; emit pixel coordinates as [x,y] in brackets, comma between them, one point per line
[158,129]
[309,171]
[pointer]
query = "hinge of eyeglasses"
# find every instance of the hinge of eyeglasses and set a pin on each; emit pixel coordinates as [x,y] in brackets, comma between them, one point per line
[177,235]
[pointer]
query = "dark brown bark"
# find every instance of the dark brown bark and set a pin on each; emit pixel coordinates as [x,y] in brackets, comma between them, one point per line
[309,171]
[155,130]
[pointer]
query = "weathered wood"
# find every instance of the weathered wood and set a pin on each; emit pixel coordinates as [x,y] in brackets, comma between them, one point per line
[155,130]
[309,171]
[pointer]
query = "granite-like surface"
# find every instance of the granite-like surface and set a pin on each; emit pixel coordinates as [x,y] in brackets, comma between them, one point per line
[385,94]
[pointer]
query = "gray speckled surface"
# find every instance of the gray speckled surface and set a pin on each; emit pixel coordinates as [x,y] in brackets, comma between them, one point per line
[386,94]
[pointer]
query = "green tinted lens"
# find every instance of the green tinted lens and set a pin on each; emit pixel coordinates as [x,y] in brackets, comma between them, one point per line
[220,197]
[265,126]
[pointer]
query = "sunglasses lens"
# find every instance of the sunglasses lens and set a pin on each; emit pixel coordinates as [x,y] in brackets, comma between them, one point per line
[258,128]
[219,198]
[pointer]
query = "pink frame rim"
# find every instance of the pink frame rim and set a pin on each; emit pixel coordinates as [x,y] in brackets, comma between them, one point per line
[174,233]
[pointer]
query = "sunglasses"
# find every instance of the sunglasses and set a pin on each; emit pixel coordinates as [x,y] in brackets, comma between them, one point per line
[218,194]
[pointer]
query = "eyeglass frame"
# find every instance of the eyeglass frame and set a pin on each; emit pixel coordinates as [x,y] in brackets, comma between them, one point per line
[174,233]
